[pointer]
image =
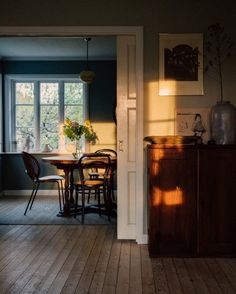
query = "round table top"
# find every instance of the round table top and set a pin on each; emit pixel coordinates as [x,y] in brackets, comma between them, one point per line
[65,159]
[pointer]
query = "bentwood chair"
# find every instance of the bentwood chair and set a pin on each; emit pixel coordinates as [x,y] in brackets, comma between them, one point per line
[85,185]
[32,169]
[113,168]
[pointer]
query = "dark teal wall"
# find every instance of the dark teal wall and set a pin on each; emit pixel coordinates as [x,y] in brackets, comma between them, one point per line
[1,187]
[14,177]
[102,103]
[102,91]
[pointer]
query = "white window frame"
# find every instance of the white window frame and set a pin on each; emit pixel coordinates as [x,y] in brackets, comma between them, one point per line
[9,107]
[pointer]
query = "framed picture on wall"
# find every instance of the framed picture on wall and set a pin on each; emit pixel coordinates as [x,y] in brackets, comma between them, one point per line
[192,121]
[180,64]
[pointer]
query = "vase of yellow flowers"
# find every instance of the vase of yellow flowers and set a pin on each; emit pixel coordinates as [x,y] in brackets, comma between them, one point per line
[74,131]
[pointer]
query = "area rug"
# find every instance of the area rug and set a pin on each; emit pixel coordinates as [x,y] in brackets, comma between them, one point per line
[44,211]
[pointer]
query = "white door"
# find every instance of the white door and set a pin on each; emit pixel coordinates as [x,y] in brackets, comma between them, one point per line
[126,137]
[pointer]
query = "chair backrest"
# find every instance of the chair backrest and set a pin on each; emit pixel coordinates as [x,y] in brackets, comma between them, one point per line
[32,167]
[111,152]
[91,161]
[107,151]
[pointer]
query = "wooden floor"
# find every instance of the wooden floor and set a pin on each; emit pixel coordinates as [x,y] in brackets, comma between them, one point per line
[89,259]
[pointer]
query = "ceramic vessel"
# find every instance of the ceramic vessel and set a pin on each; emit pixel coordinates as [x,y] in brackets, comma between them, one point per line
[223,123]
[47,148]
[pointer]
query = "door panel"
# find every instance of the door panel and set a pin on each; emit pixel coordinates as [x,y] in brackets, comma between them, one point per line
[126,137]
[217,218]
[172,201]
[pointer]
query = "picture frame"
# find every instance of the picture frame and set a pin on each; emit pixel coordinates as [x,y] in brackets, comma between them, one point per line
[180,64]
[190,122]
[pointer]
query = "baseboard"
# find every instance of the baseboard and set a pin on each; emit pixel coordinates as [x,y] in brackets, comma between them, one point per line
[143,239]
[28,192]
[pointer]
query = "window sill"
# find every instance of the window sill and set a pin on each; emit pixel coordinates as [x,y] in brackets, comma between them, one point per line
[39,152]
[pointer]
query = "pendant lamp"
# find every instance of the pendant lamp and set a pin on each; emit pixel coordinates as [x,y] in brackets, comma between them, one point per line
[87,76]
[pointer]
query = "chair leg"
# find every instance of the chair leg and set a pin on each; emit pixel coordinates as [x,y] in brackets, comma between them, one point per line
[32,196]
[97,191]
[36,190]
[107,206]
[83,204]
[89,193]
[112,188]
[76,201]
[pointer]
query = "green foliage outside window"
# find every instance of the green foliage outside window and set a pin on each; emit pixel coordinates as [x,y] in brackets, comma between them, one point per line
[49,116]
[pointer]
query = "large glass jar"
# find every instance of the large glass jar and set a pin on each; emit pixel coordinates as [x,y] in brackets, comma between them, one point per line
[223,123]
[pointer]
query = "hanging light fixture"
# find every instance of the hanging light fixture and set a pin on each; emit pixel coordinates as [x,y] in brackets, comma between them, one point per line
[87,75]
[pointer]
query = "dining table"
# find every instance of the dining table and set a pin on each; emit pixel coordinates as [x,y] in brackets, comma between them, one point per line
[67,163]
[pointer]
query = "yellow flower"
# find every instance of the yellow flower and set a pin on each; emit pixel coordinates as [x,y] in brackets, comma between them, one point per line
[87,123]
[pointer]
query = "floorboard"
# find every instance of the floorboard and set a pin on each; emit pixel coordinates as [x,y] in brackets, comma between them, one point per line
[89,259]
[67,257]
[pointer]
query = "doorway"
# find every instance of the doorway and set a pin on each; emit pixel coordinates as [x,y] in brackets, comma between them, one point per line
[137,177]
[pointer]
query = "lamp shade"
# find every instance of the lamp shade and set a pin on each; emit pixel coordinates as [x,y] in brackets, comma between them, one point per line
[87,76]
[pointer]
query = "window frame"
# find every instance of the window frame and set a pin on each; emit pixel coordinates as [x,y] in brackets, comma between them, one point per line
[10,105]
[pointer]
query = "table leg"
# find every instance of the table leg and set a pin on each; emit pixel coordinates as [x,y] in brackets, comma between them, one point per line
[66,208]
[71,200]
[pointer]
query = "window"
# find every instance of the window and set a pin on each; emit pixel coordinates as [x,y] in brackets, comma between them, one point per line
[38,109]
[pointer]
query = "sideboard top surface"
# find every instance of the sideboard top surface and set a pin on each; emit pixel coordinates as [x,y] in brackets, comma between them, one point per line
[190,146]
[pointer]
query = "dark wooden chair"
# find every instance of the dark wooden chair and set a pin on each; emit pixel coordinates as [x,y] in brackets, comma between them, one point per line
[112,171]
[85,185]
[32,169]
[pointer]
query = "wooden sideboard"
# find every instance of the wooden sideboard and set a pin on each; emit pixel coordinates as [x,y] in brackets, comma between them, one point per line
[192,199]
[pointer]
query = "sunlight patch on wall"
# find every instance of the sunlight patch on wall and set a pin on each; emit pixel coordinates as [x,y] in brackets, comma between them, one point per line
[167,88]
[160,113]
[106,133]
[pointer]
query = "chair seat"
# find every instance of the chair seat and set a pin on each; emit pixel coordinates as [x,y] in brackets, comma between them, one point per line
[50,178]
[89,183]
[32,168]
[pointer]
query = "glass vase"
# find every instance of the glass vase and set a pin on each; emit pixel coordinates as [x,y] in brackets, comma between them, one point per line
[223,123]
[78,150]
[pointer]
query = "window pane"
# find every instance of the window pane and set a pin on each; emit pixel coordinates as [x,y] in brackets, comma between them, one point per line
[21,135]
[24,116]
[74,112]
[48,138]
[29,121]
[24,93]
[49,93]
[73,93]
[49,126]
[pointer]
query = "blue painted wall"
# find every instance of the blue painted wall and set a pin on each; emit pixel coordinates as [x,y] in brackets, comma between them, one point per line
[14,177]
[102,100]
[1,187]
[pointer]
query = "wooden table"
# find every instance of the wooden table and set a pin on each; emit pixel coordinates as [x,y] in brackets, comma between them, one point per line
[67,163]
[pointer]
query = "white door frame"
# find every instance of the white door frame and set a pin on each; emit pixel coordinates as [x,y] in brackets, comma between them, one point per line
[136,31]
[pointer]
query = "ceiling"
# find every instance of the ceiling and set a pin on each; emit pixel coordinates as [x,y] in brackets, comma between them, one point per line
[57,48]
